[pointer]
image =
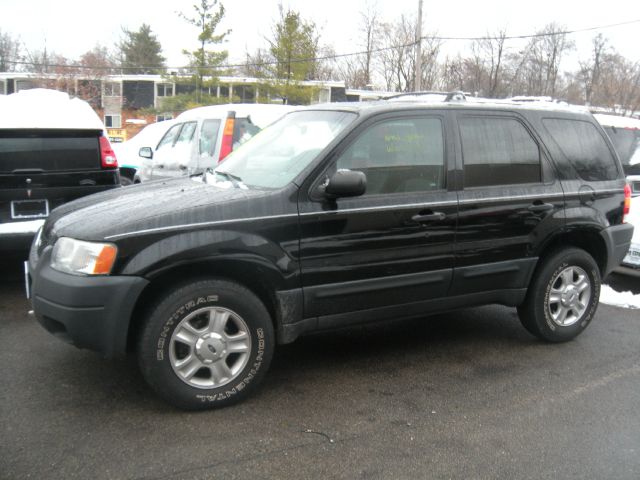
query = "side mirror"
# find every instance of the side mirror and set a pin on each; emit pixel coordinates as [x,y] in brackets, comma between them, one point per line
[145,152]
[346,183]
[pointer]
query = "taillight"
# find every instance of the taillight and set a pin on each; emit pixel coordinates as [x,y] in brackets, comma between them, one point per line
[107,155]
[227,137]
[627,202]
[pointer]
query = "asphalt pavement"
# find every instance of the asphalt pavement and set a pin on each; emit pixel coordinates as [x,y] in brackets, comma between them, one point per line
[469,394]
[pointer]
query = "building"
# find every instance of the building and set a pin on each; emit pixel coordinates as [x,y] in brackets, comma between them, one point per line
[128,102]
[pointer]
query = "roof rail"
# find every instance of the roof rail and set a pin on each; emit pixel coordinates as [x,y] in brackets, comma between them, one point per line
[536,99]
[448,96]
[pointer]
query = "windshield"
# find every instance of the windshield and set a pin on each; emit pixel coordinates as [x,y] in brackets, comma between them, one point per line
[276,155]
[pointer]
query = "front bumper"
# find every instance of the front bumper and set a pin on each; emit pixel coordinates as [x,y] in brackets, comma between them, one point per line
[88,312]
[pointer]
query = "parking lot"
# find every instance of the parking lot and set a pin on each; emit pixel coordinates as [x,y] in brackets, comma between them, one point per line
[463,395]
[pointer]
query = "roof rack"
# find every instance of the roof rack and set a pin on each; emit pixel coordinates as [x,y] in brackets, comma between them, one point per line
[536,99]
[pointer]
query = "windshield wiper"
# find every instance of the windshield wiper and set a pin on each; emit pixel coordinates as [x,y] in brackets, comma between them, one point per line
[234,179]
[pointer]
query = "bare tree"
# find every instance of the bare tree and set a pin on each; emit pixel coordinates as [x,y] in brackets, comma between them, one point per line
[256,64]
[429,60]
[590,70]
[49,62]
[493,51]
[397,58]
[370,27]
[396,61]
[618,84]
[357,70]
[453,74]
[10,52]
[539,70]
[555,44]
[98,62]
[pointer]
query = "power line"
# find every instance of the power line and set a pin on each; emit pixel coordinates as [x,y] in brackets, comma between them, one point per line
[332,56]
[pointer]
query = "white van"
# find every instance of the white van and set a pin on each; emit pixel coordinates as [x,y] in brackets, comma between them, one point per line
[204,136]
[624,133]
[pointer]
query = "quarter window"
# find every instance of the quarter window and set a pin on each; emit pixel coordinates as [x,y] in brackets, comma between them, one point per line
[209,136]
[399,156]
[498,151]
[584,148]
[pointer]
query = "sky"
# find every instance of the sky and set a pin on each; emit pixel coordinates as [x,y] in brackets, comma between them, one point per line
[72,27]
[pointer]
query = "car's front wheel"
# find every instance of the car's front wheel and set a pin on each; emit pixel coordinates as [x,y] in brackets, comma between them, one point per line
[207,344]
[563,296]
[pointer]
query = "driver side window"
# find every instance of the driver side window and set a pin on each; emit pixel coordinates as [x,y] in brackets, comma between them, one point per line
[403,155]
[169,137]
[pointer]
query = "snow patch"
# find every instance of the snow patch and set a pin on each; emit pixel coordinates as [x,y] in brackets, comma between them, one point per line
[42,108]
[619,299]
[617,121]
[14,228]
[261,114]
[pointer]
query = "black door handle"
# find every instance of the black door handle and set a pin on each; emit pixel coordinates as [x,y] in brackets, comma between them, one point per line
[540,207]
[429,217]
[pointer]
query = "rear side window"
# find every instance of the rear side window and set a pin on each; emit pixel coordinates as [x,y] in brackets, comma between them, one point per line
[584,148]
[208,136]
[399,156]
[498,151]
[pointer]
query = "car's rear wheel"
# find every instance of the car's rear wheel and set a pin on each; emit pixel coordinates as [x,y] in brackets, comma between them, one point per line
[563,296]
[207,344]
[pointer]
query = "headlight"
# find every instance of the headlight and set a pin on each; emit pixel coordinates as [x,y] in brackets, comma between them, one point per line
[83,258]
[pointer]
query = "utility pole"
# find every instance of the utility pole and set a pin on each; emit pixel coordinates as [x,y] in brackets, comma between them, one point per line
[418,79]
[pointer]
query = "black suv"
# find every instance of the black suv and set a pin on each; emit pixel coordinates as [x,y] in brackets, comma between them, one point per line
[333,216]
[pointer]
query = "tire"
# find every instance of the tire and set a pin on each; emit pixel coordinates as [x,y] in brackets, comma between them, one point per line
[125,181]
[208,344]
[563,296]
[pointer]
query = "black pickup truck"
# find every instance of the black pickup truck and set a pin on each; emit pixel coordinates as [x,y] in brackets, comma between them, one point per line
[45,161]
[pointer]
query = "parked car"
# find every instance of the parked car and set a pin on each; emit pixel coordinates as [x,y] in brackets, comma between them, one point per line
[338,215]
[204,136]
[631,262]
[128,152]
[624,132]
[53,149]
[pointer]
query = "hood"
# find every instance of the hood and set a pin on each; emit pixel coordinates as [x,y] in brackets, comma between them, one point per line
[159,204]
